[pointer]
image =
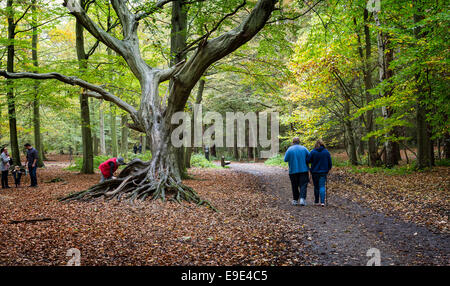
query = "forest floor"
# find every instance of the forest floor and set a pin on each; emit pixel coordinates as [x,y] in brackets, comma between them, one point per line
[256,224]
[246,231]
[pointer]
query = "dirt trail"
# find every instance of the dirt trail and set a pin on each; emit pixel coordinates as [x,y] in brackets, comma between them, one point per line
[343,232]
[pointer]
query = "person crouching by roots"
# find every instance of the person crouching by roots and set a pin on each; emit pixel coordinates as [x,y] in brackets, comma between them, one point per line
[320,160]
[108,168]
[17,174]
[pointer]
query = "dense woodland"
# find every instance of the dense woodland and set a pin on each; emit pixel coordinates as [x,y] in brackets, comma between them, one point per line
[87,80]
[372,82]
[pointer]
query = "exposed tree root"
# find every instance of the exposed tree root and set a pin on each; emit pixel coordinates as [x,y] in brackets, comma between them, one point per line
[137,182]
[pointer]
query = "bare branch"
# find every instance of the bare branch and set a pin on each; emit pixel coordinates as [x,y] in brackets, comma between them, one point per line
[299,15]
[168,73]
[96,91]
[126,18]
[23,15]
[160,4]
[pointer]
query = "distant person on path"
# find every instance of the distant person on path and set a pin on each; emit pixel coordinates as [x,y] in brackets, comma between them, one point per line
[4,167]
[135,149]
[297,157]
[108,168]
[140,148]
[207,152]
[31,162]
[320,160]
[17,174]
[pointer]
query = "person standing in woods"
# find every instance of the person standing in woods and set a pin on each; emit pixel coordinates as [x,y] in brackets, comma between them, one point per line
[140,148]
[135,149]
[320,160]
[108,168]
[31,162]
[207,152]
[4,167]
[297,157]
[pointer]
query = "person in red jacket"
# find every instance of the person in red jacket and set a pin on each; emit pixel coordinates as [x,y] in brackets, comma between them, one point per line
[108,168]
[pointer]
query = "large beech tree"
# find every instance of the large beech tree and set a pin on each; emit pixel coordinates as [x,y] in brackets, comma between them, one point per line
[160,177]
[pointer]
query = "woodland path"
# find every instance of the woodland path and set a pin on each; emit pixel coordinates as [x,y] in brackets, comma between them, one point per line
[343,232]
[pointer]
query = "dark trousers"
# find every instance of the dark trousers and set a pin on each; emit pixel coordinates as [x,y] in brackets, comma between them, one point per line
[17,176]
[5,179]
[33,176]
[299,180]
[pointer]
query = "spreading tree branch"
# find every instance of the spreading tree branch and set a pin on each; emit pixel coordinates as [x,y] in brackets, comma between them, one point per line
[160,4]
[95,90]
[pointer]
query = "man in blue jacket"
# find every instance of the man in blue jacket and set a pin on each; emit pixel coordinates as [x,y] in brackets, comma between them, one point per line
[297,157]
[320,160]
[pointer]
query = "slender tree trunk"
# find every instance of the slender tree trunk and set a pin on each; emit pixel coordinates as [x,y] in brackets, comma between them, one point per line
[144,143]
[124,144]
[93,107]
[368,84]
[112,118]
[385,57]
[423,139]
[349,132]
[102,130]
[88,156]
[446,146]
[36,116]
[14,142]
[361,148]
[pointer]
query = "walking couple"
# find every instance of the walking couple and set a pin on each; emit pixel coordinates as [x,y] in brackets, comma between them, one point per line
[299,159]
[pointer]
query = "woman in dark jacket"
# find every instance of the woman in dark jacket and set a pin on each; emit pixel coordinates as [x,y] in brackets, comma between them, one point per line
[4,166]
[320,160]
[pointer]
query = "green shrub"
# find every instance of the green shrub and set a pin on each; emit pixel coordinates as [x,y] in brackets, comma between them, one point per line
[339,162]
[277,160]
[144,156]
[443,162]
[397,170]
[199,160]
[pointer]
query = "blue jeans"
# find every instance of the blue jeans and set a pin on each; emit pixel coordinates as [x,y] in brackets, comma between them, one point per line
[33,176]
[319,181]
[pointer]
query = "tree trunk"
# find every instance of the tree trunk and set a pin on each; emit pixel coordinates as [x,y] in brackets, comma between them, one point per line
[368,84]
[177,45]
[112,121]
[36,116]
[447,146]
[349,132]
[14,142]
[124,143]
[93,107]
[101,128]
[144,143]
[88,156]
[361,143]
[385,57]
[423,140]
